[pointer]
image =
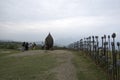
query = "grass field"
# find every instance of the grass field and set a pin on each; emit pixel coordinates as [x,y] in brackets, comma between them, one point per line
[86,68]
[39,66]
[34,67]
[5,52]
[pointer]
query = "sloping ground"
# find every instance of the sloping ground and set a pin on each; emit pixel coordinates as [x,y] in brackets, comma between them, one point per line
[48,65]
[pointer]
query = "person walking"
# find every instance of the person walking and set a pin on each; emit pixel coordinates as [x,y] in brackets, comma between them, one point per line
[26,46]
[23,46]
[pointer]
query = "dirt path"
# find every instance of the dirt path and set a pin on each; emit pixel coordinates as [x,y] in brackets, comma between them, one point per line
[65,70]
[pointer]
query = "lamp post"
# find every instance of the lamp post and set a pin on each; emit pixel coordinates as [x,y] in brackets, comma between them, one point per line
[105,45]
[114,57]
[118,62]
[90,44]
[97,50]
[109,46]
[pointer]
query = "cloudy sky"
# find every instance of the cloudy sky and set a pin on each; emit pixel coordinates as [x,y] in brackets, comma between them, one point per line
[66,20]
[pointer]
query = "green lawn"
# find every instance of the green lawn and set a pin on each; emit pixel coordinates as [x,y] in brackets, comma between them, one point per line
[34,67]
[86,68]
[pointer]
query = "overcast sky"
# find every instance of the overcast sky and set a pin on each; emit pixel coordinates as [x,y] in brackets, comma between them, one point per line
[66,20]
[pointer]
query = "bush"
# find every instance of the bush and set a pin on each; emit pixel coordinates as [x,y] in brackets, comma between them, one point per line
[9,45]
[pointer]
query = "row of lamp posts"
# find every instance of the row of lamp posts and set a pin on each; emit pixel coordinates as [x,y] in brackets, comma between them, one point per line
[107,55]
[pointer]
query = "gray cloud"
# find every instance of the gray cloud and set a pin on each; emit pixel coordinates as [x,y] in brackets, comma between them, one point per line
[67,20]
[29,10]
